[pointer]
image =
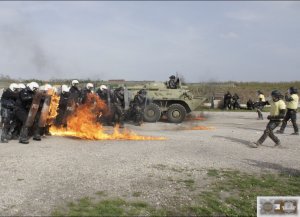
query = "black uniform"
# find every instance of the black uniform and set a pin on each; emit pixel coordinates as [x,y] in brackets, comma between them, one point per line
[62,107]
[227,100]
[105,95]
[8,103]
[23,105]
[75,94]
[138,106]
[84,95]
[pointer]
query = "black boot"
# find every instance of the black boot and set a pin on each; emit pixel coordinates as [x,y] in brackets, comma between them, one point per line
[3,138]
[37,133]
[47,130]
[24,136]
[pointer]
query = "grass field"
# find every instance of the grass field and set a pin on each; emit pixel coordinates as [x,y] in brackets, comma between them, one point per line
[231,193]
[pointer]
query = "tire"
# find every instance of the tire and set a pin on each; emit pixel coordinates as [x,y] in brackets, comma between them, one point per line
[152,113]
[176,113]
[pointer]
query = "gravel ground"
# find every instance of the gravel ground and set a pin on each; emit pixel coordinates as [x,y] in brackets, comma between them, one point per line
[36,178]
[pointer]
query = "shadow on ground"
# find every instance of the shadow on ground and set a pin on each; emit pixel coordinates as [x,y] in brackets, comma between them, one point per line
[236,140]
[279,168]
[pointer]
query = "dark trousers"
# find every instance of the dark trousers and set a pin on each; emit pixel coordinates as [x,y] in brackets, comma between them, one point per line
[139,114]
[259,109]
[21,115]
[227,104]
[290,114]
[269,132]
[118,114]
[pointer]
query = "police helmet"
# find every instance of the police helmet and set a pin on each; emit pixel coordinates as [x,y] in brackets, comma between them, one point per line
[55,90]
[172,77]
[103,87]
[142,91]
[259,92]
[64,88]
[13,86]
[74,82]
[276,94]
[47,87]
[33,86]
[21,86]
[89,86]
[293,90]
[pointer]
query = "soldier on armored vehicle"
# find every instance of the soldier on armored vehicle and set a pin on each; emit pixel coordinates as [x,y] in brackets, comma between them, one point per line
[173,83]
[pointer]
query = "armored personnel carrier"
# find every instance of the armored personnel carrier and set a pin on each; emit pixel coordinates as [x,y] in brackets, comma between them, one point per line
[175,104]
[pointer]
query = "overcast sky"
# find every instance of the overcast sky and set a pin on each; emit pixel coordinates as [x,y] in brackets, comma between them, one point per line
[202,41]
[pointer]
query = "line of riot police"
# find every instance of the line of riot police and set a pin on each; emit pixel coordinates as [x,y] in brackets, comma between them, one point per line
[24,109]
[21,108]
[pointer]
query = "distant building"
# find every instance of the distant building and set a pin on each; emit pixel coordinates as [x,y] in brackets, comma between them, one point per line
[116,81]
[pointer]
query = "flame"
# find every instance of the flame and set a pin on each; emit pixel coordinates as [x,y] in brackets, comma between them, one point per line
[82,124]
[53,106]
[195,118]
[202,128]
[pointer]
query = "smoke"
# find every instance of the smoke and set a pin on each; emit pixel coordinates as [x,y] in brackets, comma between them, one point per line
[22,50]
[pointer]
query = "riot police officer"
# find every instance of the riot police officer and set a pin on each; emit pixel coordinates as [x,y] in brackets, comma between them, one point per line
[75,93]
[292,100]
[277,112]
[105,95]
[23,104]
[62,104]
[21,86]
[87,90]
[8,102]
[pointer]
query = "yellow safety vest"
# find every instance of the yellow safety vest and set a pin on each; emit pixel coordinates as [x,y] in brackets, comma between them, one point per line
[293,104]
[262,97]
[276,107]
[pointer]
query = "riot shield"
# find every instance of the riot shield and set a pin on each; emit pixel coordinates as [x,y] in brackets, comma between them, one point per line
[71,104]
[34,108]
[45,111]
[126,99]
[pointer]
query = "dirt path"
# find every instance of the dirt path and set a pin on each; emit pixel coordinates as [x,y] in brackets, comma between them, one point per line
[37,177]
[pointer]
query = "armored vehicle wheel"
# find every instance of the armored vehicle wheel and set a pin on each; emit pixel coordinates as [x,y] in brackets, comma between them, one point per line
[176,113]
[152,113]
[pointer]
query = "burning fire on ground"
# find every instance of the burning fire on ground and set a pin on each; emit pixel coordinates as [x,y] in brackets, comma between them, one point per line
[82,124]
[201,128]
[195,118]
